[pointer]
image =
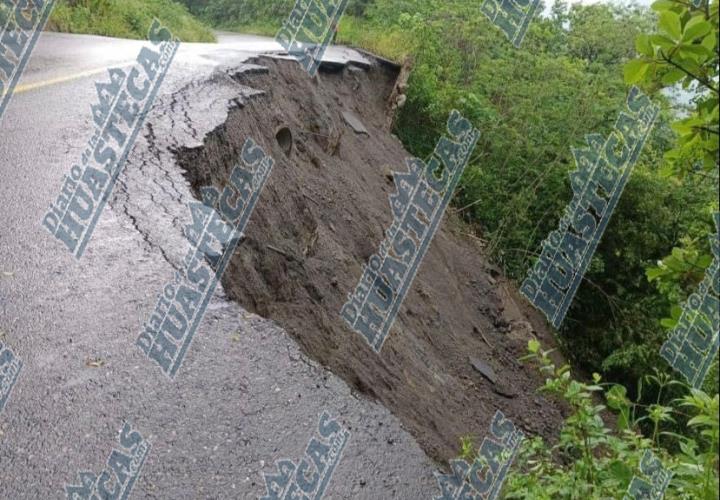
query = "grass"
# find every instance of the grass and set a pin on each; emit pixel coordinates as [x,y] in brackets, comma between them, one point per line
[263,28]
[127,19]
[132,18]
[393,45]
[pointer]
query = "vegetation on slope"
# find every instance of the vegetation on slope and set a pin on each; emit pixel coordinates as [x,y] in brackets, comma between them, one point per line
[259,17]
[127,19]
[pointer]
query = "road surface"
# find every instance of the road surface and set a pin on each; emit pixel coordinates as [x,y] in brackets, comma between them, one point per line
[244,397]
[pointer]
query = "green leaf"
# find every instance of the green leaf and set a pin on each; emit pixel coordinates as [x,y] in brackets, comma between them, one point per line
[616,397]
[675,312]
[669,22]
[533,346]
[668,323]
[662,41]
[709,41]
[697,52]
[643,45]
[688,447]
[653,272]
[709,161]
[692,66]
[700,420]
[696,27]
[681,127]
[621,472]
[661,5]
[672,76]
[635,70]
[704,261]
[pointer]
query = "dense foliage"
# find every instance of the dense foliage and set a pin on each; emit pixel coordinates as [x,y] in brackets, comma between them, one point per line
[533,105]
[260,16]
[684,50]
[593,461]
[127,19]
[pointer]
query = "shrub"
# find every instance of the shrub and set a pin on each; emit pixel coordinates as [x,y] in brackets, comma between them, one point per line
[591,460]
[127,19]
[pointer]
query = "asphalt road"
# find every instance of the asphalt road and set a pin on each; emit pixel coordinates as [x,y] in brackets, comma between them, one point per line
[245,396]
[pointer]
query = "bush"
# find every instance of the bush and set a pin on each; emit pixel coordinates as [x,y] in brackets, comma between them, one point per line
[127,19]
[591,460]
[532,105]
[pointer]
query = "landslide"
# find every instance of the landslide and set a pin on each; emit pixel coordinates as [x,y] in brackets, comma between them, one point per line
[323,213]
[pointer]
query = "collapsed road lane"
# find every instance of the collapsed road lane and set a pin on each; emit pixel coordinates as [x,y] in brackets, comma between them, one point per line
[246,396]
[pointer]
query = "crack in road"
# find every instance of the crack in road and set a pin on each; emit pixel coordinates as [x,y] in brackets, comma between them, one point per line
[221,423]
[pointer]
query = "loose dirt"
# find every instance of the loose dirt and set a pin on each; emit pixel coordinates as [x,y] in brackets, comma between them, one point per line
[323,213]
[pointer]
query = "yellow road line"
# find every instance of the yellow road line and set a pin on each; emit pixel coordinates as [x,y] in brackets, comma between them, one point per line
[38,85]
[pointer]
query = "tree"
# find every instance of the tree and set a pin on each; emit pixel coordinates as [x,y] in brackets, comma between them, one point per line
[684,50]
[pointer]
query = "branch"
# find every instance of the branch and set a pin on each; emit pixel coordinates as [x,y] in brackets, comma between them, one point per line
[707,130]
[699,79]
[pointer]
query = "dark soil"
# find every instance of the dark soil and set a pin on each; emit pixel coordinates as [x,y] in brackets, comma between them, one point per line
[323,213]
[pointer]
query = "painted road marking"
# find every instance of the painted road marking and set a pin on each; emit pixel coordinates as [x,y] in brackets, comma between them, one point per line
[62,79]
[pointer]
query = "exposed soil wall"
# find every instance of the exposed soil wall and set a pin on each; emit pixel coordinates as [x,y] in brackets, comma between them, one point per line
[322,214]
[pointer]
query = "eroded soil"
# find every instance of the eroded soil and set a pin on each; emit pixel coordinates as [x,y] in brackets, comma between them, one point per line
[323,213]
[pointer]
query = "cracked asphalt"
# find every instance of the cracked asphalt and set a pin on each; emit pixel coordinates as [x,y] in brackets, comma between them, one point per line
[245,395]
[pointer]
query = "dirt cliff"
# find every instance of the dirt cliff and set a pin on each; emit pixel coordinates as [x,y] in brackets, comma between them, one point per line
[323,213]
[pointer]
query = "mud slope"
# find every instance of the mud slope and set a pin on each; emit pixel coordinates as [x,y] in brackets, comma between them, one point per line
[322,214]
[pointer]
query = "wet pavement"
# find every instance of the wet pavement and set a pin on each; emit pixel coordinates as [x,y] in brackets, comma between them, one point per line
[245,395]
